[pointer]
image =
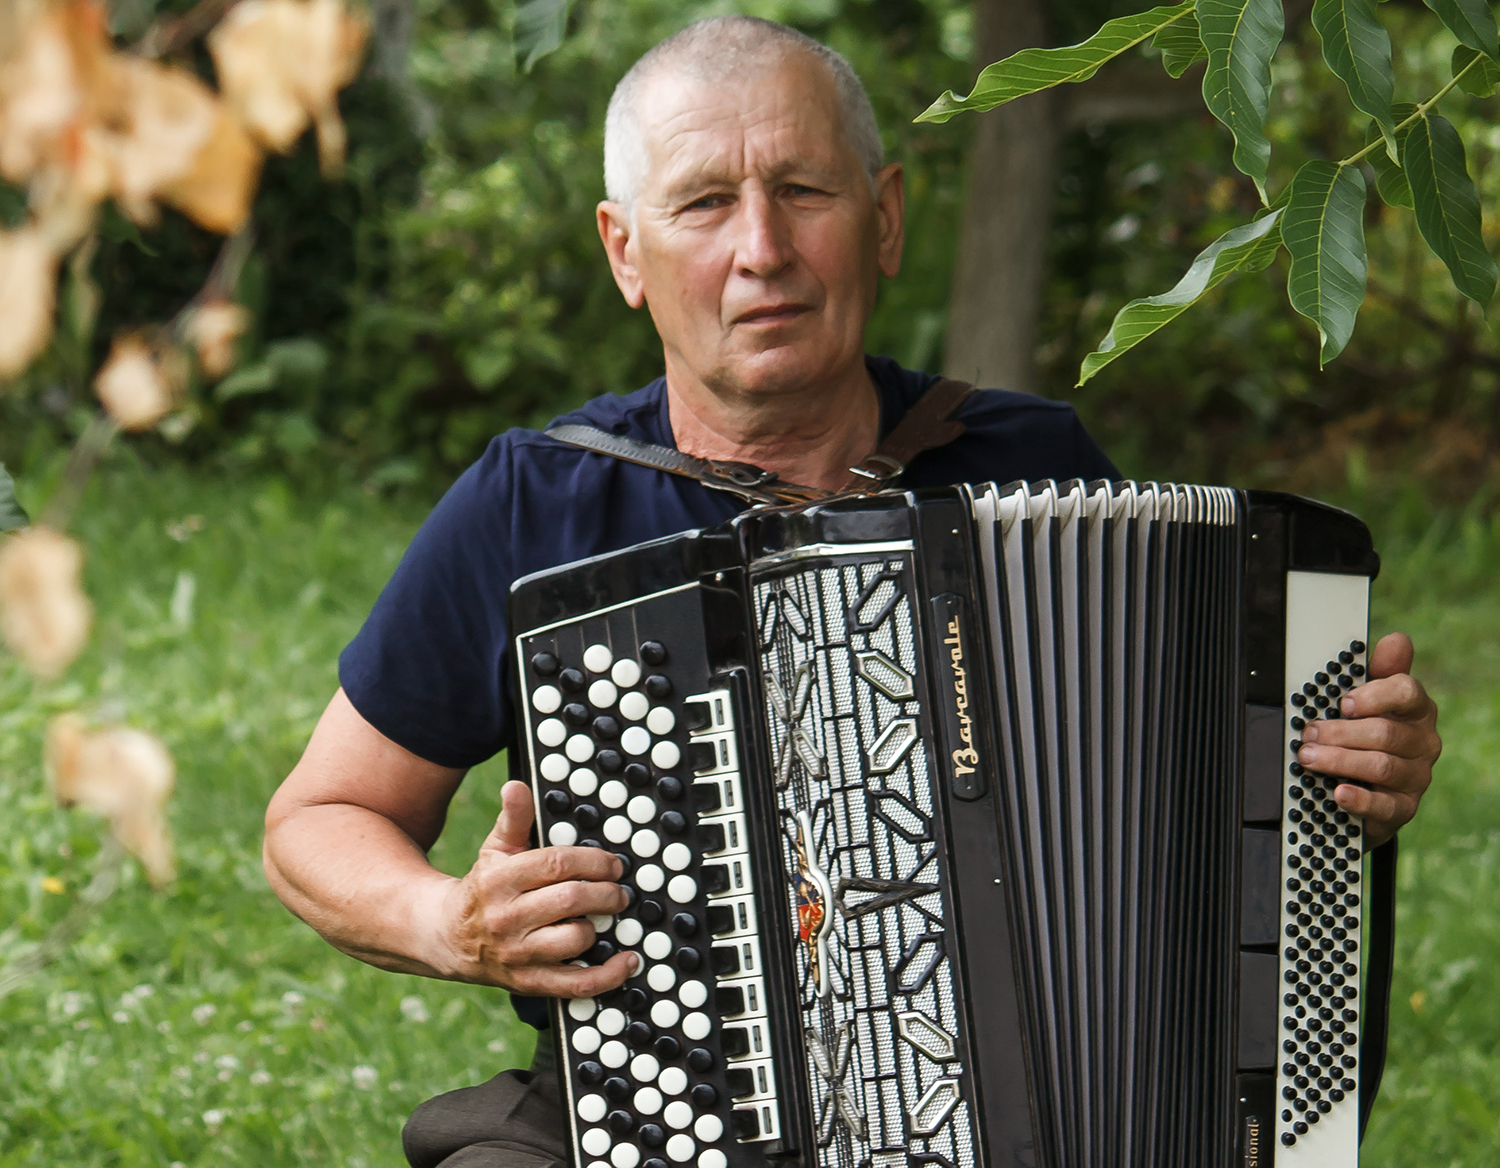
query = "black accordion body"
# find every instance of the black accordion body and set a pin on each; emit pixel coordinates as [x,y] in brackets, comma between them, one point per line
[964,828]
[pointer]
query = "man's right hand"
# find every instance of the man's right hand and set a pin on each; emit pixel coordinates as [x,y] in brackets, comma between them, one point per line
[519,916]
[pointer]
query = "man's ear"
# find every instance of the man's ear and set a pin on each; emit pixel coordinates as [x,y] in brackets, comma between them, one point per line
[890,215]
[615,234]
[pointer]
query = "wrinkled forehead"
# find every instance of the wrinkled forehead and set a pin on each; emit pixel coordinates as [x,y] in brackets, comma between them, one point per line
[779,119]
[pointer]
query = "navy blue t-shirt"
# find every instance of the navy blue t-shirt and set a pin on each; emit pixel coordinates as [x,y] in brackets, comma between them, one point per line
[429,668]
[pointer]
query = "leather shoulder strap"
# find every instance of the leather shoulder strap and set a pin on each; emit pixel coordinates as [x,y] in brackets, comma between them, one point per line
[927,425]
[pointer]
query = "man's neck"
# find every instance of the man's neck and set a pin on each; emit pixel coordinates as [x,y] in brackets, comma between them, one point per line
[810,437]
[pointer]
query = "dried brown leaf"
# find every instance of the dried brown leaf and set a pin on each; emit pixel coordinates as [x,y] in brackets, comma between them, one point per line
[44,614]
[124,774]
[282,62]
[51,86]
[213,329]
[28,290]
[163,119]
[132,385]
[218,191]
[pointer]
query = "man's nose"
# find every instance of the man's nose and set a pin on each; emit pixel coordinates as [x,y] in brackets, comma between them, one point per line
[764,244]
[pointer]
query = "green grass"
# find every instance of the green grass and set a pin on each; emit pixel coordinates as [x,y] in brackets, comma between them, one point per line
[247,1047]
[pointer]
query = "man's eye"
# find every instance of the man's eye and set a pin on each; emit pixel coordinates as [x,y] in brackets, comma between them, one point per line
[799,191]
[706,203]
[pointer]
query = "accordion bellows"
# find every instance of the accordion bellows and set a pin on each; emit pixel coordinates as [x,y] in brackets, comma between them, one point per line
[964,827]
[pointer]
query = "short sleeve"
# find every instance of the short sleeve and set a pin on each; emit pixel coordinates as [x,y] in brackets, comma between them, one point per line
[428,667]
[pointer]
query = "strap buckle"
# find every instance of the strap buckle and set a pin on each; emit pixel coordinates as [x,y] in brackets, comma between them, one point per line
[877,470]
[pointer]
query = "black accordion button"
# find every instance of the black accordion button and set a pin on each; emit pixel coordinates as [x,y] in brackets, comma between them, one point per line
[1346,657]
[575,714]
[696,715]
[700,1059]
[720,919]
[626,864]
[711,837]
[590,1072]
[735,1041]
[606,727]
[669,789]
[688,959]
[729,1000]
[1288,1139]
[654,1162]
[587,816]
[704,1096]
[616,1089]
[673,822]
[653,652]
[707,797]
[714,878]
[653,1136]
[1356,646]
[571,680]
[744,1122]
[637,774]
[546,664]
[1348,1084]
[1321,678]
[639,1034]
[609,761]
[620,1122]
[658,686]
[667,1048]
[1300,1128]
[724,960]
[702,756]
[635,1000]
[557,802]
[684,924]
[652,912]
[599,952]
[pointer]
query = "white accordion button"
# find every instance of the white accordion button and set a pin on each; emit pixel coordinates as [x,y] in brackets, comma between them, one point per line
[665,1013]
[625,673]
[678,1113]
[581,1009]
[610,1021]
[562,835]
[644,1068]
[696,1026]
[592,1108]
[551,732]
[642,809]
[661,720]
[614,1053]
[625,1156]
[692,994]
[713,1158]
[601,922]
[636,740]
[645,844]
[617,829]
[676,856]
[628,932]
[582,782]
[546,699]
[596,658]
[595,1141]
[682,889]
[613,794]
[634,706]
[585,1040]
[647,1100]
[681,1148]
[602,694]
[661,978]
[555,768]
[650,878]
[580,748]
[708,1128]
[658,946]
[673,1081]
[664,754]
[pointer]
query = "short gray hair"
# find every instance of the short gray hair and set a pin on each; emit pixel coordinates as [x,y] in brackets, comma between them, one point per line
[708,51]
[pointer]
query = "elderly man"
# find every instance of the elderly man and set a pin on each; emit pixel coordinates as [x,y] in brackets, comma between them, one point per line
[751,211]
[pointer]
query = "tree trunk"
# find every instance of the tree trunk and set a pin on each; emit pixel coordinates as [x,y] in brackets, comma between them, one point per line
[1002,248]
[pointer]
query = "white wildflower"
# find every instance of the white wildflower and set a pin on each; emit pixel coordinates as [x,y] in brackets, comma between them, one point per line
[292,999]
[143,991]
[214,1116]
[201,1014]
[120,1016]
[260,1078]
[364,1077]
[227,1062]
[413,1009]
[72,1003]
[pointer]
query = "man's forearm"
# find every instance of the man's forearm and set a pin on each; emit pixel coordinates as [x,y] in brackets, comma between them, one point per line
[363,884]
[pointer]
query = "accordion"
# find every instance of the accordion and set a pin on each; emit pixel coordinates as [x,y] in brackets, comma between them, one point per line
[964,828]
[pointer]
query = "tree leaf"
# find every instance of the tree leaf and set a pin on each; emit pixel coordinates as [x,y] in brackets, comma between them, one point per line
[1324,232]
[1180,45]
[540,28]
[1471,21]
[1447,205]
[1479,81]
[11,513]
[1241,36]
[1358,50]
[1250,246]
[1390,178]
[1032,70]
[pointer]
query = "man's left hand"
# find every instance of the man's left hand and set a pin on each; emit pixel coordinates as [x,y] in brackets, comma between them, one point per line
[1386,738]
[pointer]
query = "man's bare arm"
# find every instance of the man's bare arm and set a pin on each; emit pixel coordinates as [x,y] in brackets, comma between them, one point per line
[345,849]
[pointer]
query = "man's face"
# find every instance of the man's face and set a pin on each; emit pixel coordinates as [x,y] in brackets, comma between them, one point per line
[756,239]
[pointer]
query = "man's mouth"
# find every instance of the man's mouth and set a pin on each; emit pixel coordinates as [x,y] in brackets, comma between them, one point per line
[772,314]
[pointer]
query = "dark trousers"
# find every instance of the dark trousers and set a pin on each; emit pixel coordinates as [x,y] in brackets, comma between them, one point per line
[513,1121]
